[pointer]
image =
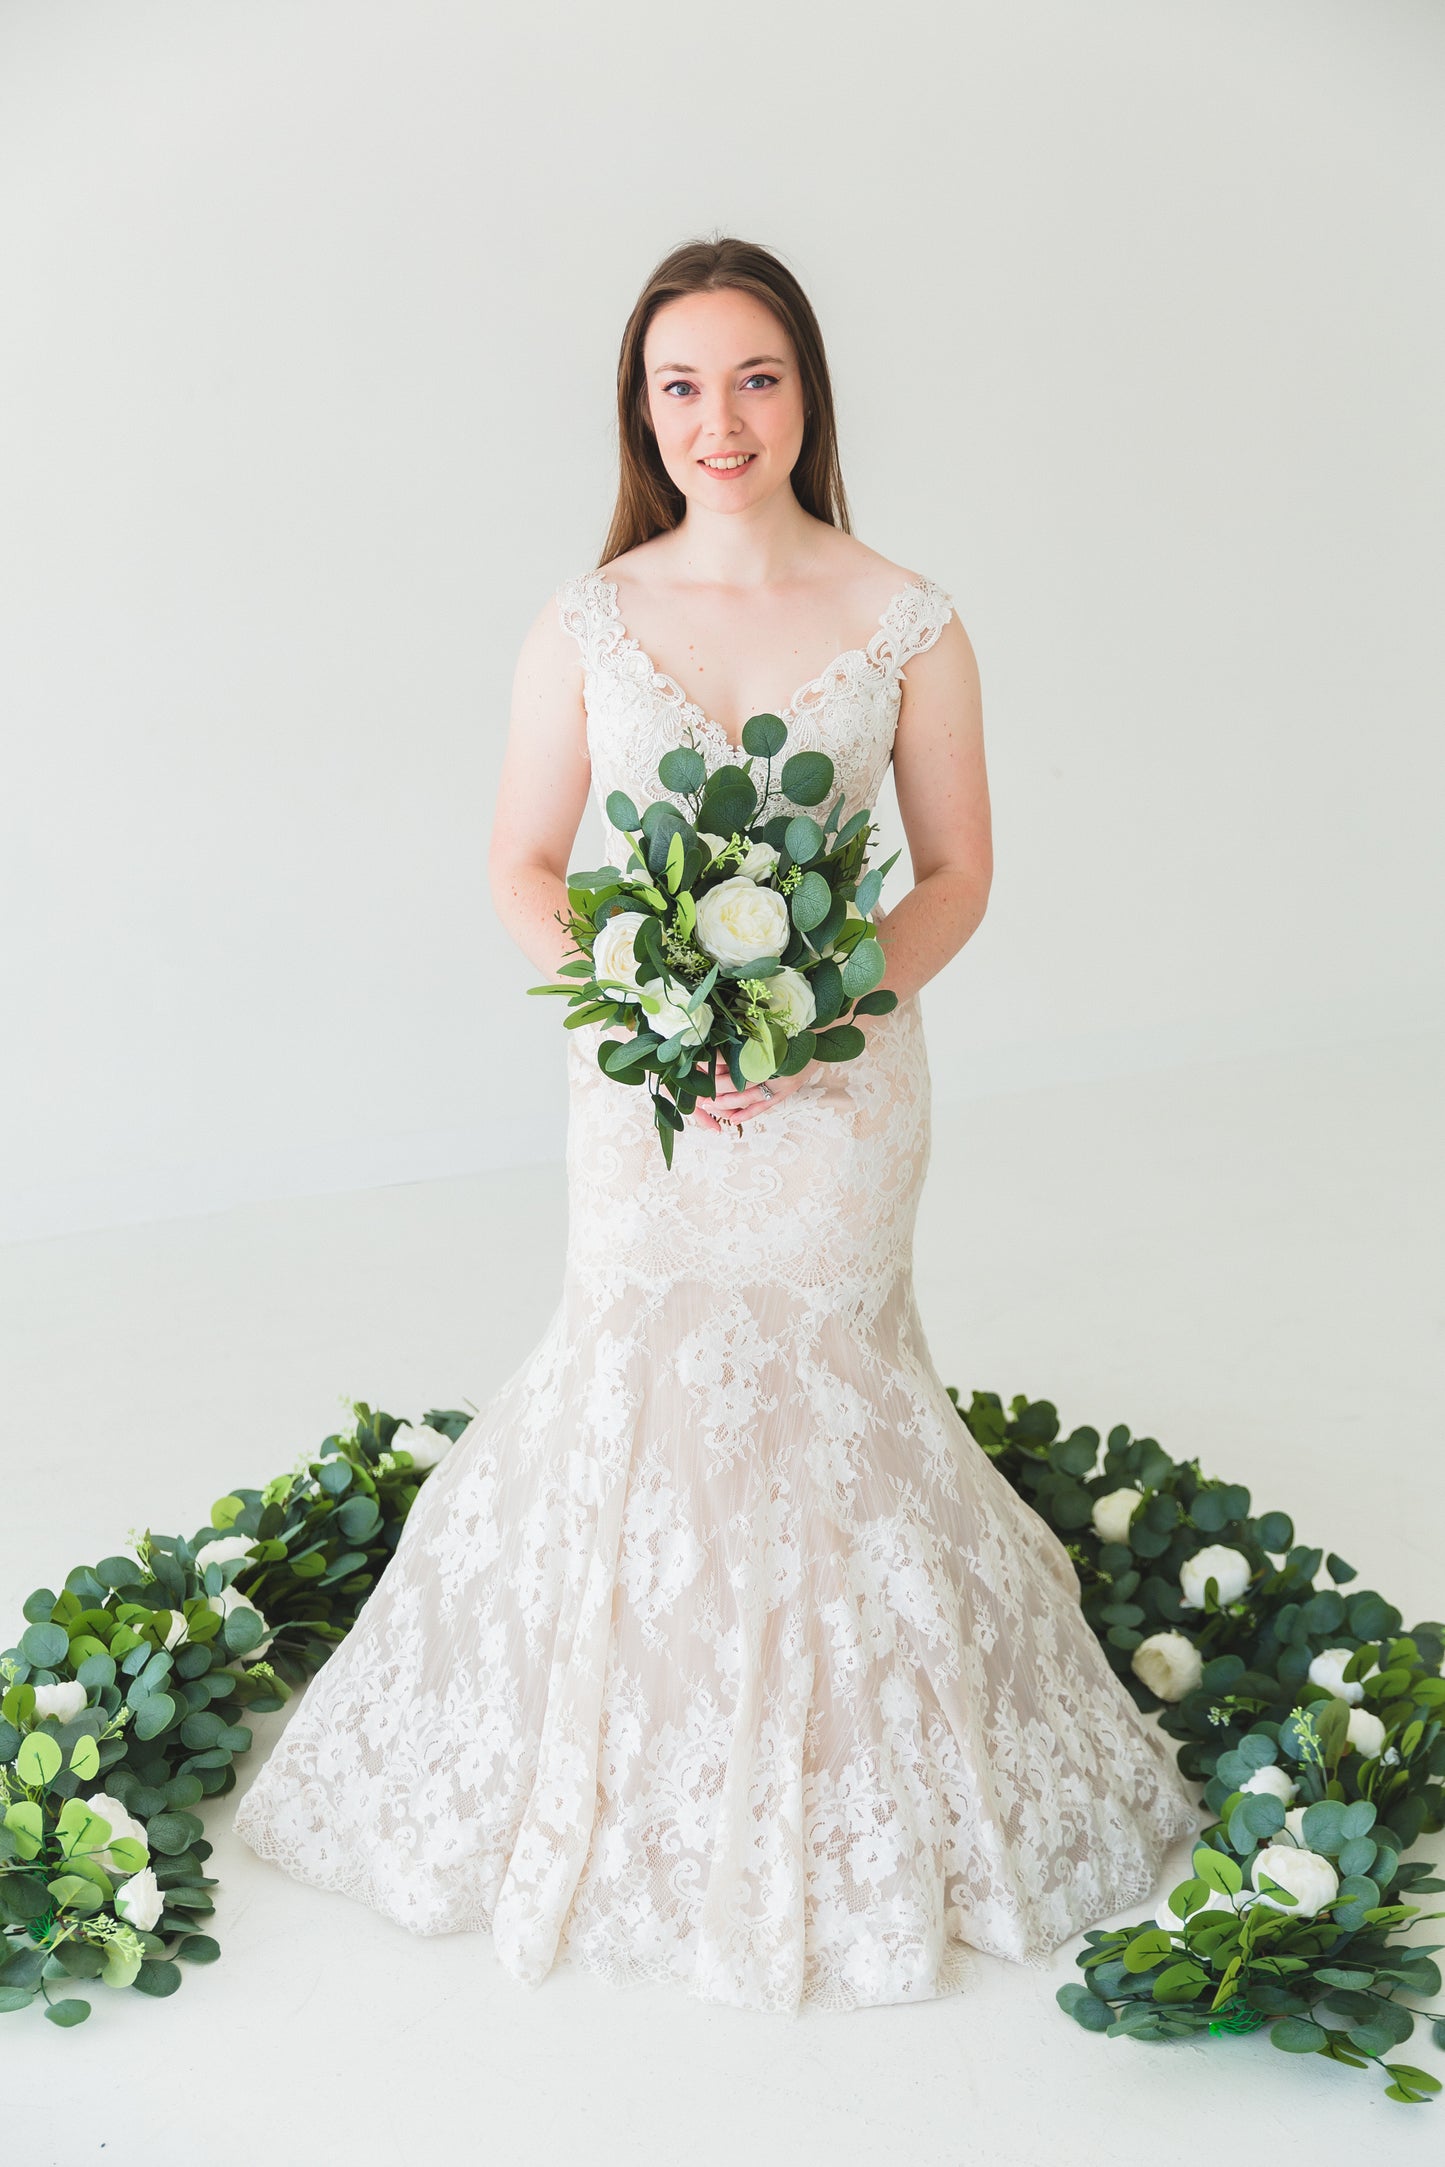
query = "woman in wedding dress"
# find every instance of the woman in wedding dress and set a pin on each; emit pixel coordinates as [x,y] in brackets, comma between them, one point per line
[716,1651]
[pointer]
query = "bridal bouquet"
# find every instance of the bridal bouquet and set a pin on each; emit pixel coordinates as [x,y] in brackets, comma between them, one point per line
[734,931]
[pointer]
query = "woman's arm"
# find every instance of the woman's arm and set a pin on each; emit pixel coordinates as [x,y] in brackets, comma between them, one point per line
[542,794]
[942,785]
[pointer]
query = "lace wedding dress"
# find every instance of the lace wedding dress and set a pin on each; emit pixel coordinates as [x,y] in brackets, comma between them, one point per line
[716,1651]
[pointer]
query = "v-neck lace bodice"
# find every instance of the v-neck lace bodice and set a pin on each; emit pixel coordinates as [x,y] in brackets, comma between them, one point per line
[637,712]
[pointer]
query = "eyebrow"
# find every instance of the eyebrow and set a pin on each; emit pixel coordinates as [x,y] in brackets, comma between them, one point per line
[687,369]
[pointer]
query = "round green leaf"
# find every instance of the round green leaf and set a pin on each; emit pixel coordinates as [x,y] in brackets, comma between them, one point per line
[1297,2035]
[153,1715]
[158,1976]
[45,1646]
[68,2012]
[764,736]
[621,811]
[807,778]
[811,902]
[803,839]
[39,1759]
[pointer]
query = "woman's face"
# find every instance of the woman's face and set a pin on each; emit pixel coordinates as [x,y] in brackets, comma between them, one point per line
[723,385]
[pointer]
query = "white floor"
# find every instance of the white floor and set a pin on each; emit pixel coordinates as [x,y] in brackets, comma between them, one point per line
[1240,1258]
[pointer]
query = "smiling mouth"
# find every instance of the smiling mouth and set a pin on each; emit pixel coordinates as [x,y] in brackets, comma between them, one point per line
[730,463]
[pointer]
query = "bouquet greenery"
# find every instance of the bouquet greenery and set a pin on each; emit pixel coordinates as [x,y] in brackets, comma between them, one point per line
[734,931]
[1312,1720]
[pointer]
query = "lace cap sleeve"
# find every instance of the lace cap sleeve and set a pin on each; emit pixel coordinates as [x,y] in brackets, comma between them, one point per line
[913,622]
[576,606]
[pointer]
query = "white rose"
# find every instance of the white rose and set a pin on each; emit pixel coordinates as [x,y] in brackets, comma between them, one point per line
[231,1599]
[1327,1670]
[1272,1781]
[61,1701]
[1113,1512]
[852,911]
[1365,1732]
[760,861]
[716,844]
[1304,1873]
[670,1017]
[1231,1568]
[139,1900]
[1168,1663]
[121,1824]
[612,952]
[1294,1821]
[737,921]
[791,999]
[425,1444]
[223,1550]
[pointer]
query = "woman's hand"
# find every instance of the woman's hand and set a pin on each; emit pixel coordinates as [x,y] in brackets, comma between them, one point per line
[740,1106]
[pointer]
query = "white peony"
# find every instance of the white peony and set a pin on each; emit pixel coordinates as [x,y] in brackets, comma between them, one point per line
[223,1550]
[425,1444]
[1365,1732]
[717,844]
[1231,1568]
[1272,1782]
[1304,1873]
[1327,1670]
[791,999]
[670,1017]
[1294,1822]
[139,1900]
[1113,1512]
[61,1701]
[121,1824]
[737,921]
[612,952]
[1168,1663]
[760,861]
[231,1599]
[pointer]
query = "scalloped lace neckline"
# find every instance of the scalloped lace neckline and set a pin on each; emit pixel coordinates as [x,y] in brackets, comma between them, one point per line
[869,653]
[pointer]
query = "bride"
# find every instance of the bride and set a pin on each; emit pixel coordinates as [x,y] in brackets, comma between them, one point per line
[716,1651]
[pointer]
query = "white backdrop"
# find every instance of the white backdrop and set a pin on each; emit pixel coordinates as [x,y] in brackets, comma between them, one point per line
[306,381]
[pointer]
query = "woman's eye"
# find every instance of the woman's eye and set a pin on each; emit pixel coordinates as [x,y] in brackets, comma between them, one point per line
[760,376]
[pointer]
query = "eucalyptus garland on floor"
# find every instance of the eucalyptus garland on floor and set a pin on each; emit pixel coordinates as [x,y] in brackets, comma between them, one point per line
[1313,1723]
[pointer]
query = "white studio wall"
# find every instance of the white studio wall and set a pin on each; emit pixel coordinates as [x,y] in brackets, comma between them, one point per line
[306,382]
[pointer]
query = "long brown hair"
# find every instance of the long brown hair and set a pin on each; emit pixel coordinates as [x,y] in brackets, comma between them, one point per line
[648,501]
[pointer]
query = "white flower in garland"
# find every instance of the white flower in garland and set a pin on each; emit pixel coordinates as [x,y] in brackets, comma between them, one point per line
[139,1900]
[121,1824]
[1230,1568]
[425,1444]
[175,1631]
[61,1701]
[1366,1733]
[1327,1670]
[1169,1664]
[1305,1874]
[223,1550]
[1294,1822]
[1272,1782]
[231,1599]
[1113,1512]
